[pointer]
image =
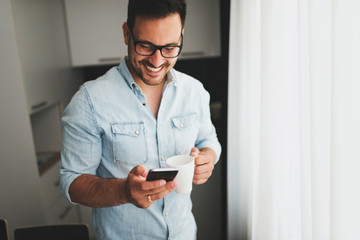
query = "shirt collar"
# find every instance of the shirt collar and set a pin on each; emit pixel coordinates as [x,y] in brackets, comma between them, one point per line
[125,73]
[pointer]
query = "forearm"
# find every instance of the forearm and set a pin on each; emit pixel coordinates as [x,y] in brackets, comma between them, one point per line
[97,192]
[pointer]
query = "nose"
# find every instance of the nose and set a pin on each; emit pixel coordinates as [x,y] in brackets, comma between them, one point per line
[156,59]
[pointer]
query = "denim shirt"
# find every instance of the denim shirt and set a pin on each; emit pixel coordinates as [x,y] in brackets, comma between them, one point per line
[108,129]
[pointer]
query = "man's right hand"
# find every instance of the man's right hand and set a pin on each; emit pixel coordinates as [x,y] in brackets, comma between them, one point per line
[144,193]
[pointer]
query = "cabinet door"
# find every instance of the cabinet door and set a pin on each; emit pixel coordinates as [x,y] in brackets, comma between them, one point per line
[50,186]
[43,53]
[202,29]
[95,31]
[96,38]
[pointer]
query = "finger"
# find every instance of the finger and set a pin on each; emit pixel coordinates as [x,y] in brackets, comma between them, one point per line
[203,168]
[156,195]
[202,176]
[146,201]
[169,186]
[147,198]
[201,181]
[194,152]
[149,185]
[202,159]
[138,190]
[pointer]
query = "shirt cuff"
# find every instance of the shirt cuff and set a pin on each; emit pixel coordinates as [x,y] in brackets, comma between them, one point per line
[66,179]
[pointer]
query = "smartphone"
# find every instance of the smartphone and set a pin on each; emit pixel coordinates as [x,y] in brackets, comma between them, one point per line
[168,174]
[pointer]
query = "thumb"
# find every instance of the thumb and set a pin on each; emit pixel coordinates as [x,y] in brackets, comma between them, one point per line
[139,170]
[194,152]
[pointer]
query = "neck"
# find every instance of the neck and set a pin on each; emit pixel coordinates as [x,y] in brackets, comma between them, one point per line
[152,93]
[145,87]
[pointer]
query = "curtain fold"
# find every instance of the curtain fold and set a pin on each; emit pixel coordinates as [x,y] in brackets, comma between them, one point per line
[294,119]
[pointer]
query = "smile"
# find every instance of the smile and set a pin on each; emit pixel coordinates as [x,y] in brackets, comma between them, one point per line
[153,69]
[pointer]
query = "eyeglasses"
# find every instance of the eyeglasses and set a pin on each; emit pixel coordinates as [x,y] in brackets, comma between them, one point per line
[147,49]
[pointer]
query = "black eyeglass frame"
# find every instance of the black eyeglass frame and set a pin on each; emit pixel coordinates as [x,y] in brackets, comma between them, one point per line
[156,47]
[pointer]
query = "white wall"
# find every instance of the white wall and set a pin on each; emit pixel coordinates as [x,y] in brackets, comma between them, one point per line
[34,64]
[19,181]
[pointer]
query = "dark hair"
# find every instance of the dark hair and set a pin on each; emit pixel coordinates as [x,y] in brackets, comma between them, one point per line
[155,9]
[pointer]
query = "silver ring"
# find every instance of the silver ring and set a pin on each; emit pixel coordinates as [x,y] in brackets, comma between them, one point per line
[149,198]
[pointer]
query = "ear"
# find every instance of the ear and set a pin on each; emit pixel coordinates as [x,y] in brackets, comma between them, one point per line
[126,33]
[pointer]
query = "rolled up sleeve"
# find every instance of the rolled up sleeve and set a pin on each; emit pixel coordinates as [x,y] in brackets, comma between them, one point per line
[81,149]
[207,134]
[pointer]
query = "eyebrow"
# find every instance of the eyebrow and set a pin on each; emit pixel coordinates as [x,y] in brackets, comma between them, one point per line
[150,43]
[168,44]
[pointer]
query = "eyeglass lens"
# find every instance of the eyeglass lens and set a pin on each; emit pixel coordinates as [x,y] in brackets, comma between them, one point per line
[147,49]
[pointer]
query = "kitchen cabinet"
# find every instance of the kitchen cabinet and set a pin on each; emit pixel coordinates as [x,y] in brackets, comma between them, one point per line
[46,129]
[43,53]
[35,71]
[57,209]
[95,34]
[50,185]
[95,31]
[202,29]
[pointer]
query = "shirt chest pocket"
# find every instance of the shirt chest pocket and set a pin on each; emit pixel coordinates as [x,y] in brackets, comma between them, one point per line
[129,143]
[185,128]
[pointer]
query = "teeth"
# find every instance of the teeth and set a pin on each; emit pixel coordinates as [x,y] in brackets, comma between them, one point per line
[153,69]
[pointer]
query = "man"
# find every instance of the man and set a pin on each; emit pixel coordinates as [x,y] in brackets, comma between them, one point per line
[132,119]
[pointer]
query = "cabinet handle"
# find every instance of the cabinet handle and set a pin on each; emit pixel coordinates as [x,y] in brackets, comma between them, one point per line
[110,59]
[65,212]
[189,54]
[39,105]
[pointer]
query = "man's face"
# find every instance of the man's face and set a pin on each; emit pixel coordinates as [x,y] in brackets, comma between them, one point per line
[161,31]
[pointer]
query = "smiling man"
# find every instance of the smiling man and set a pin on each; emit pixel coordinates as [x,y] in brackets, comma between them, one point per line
[145,62]
[132,119]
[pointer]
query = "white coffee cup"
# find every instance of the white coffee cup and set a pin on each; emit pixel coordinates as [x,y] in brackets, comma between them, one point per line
[186,166]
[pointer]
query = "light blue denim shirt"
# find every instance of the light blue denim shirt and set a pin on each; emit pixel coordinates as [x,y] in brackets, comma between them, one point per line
[108,129]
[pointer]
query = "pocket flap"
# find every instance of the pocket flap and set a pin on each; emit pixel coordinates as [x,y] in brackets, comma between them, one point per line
[184,121]
[130,129]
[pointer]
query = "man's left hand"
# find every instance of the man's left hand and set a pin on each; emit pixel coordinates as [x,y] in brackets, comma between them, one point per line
[204,164]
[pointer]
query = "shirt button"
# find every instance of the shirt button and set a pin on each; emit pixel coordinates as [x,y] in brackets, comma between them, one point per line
[166,213]
[162,158]
[137,88]
[137,132]
[181,125]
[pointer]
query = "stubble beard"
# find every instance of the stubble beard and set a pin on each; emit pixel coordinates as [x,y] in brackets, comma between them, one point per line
[141,74]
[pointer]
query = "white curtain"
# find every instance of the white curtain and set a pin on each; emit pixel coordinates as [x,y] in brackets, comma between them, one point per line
[294,120]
